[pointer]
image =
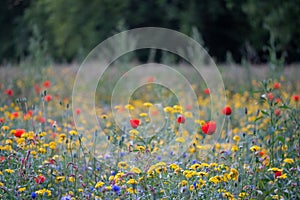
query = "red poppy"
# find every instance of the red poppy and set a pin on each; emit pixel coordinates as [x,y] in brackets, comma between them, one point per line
[276,85]
[261,153]
[40,179]
[42,119]
[52,161]
[77,111]
[209,127]
[277,112]
[226,110]
[2,120]
[206,91]
[19,132]
[15,114]
[181,119]
[9,92]
[270,96]
[278,173]
[0,86]
[48,98]
[37,89]
[30,112]
[277,100]
[47,84]
[2,158]
[134,123]
[296,98]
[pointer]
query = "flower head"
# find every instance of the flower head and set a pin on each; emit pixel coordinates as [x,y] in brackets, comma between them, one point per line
[209,127]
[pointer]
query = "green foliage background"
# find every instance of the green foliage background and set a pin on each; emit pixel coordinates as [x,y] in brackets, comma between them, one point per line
[66,30]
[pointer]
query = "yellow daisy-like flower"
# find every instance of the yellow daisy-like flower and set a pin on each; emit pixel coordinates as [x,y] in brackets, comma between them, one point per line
[183,183]
[180,139]
[168,109]
[288,160]
[22,189]
[135,170]
[59,179]
[122,165]
[275,169]
[143,114]
[132,181]
[99,184]
[236,138]
[234,148]
[134,132]
[255,148]
[10,171]
[73,132]
[5,128]
[71,179]
[141,148]
[147,104]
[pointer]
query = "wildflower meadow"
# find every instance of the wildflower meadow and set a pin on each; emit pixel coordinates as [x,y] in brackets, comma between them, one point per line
[45,155]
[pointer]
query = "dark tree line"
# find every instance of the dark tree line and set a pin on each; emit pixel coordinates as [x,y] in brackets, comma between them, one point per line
[66,30]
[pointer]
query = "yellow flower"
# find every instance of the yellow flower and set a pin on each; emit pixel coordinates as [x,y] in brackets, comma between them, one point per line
[174,166]
[234,174]
[147,104]
[60,179]
[52,145]
[288,160]
[234,148]
[132,181]
[141,148]
[42,150]
[43,192]
[243,194]
[123,165]
[135,170]
[22,189]
[71,179]
[129,107]
[275,169]
[216,179]
[183,183]
[80,190]
[108,188]
[5,128]
[99,184]
[283,176]
[10,171]
[131,190]
[168,109]
[1,184]
[134,132]
[180,139]
[236,138]
[255,148]
[73,132]
[143,114]
[195,166]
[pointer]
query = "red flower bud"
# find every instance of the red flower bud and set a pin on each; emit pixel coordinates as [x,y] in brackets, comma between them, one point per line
[134,123]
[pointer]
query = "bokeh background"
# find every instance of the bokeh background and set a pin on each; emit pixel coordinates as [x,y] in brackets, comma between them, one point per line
[64,31]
